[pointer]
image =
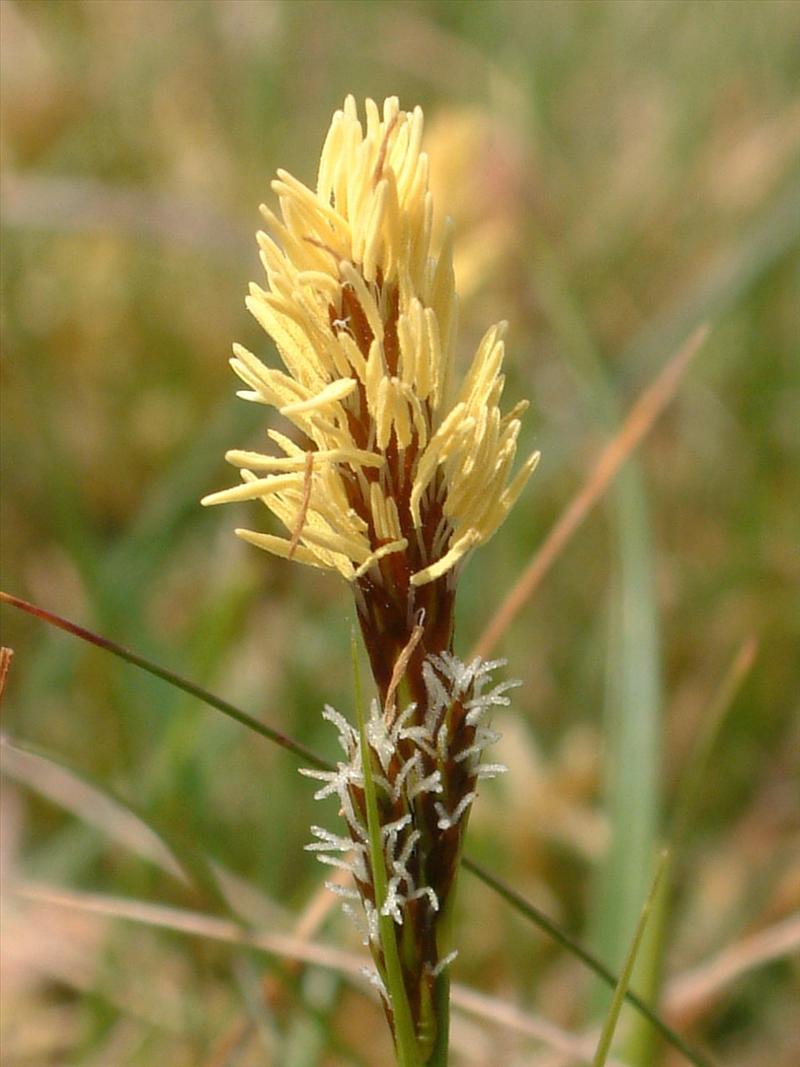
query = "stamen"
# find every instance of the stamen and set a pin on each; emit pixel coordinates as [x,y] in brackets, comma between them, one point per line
[330,394]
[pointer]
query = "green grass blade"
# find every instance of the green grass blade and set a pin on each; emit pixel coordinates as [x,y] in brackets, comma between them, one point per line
[612,1018]
[633,703]
[641,1047]
[405,1040]
[508,894]
[635,736]
[729,279]
[173,679]
[694,777]
[172,853]
[534,915]
[633,693]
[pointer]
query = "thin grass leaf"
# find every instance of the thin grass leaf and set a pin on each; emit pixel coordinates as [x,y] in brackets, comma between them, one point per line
[632,711]
[633,686]
[638,423]
[704,982]
[534,915]
[499,1015]
[406,1043]
[732,274]
[694,776]
[174,679]
[508,894]
[633,697]
[610,1024]
[642,1042]
[195,924]
[34,768]
[122,820]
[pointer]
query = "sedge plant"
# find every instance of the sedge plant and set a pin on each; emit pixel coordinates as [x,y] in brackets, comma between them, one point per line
[391,473]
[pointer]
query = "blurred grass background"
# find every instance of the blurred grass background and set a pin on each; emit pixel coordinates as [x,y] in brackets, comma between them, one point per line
[618,173]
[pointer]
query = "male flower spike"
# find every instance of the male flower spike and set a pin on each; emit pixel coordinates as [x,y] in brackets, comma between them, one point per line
[393,474]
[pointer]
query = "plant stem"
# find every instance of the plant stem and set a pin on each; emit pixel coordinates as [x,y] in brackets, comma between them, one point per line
[531,913]
[610,1024]
[441,1005]
[405,1038]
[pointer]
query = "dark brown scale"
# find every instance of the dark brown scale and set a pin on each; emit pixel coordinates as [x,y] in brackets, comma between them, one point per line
[391,342]
[354,314]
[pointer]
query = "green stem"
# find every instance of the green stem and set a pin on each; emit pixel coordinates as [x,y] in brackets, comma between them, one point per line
[441,1005]
[176,680]
[405,1037]
[610,1024]
[534,915]
[526,909]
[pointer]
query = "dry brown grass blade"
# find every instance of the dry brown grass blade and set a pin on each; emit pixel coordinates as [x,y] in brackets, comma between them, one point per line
[636,426]
[66,789]
[691,993]
[193,922]
[490,1009]
[6,656]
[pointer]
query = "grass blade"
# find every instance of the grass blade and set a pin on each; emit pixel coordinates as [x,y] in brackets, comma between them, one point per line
[697,988]
[124,822]
[534,915]
[173,679]
[405,1040]
[610,1024]
[694,776]
[81,795]
[633,694]
[642,1041]
[498,1013]
[638,423]
[632,719]
[509,895]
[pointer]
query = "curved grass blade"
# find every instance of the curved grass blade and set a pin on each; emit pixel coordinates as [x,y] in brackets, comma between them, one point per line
[534,915]
[642,1042]
[694,777]
[350,965]
[406,1044]
[51,777]
[633,689]
[509,895]
[638,422]
[118,818]
[297,747]
[610,1024]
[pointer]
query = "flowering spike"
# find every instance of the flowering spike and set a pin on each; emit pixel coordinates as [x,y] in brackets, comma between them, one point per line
[392,472]
[410,473]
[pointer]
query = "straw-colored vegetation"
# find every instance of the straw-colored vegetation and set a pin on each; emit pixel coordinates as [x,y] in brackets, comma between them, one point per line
[618,173]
